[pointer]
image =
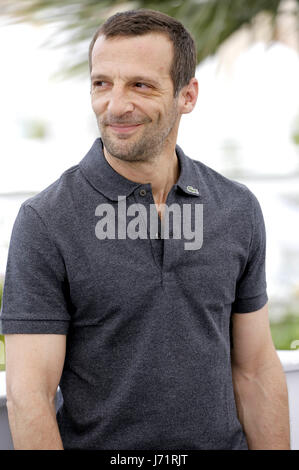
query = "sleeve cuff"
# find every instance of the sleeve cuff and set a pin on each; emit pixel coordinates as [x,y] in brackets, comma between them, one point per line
[250,304]
[34,326]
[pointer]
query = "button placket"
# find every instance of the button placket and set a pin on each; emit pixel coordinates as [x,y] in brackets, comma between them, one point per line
[170,245]
[163,243]
[144,196]
[155,238]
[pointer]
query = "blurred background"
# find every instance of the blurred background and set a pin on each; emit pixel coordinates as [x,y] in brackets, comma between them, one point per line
[245,124]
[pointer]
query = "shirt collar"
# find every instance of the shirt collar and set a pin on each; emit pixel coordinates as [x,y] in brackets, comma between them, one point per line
[107,181]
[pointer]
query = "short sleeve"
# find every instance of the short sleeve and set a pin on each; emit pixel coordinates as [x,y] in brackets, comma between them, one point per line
[35,283]
[251,288]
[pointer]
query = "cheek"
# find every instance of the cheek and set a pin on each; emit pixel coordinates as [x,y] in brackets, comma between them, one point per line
[96,105]
[163,115]
[157,112]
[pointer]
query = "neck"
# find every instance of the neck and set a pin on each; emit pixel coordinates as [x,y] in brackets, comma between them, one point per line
[162,172]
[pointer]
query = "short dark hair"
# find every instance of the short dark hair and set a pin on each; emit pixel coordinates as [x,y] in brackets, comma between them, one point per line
[145,21]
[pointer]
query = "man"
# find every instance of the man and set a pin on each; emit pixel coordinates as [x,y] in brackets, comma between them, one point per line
[155,344]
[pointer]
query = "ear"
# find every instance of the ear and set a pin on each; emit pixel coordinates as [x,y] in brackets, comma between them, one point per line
[188,96]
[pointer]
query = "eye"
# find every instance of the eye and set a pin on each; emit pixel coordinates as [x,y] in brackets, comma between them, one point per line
[142,84]
[98,83]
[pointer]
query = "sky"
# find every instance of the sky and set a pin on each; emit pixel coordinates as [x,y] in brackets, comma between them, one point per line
[251,107]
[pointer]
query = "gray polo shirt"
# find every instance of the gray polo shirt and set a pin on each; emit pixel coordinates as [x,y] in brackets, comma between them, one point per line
[148,362]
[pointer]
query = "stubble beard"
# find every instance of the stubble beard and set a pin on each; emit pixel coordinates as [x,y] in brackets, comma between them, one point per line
[146,146]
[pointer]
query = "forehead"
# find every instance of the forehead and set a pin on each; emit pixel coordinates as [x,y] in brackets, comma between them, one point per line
[151,53]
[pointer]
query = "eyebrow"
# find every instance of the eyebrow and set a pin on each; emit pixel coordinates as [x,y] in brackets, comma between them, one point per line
[137,78]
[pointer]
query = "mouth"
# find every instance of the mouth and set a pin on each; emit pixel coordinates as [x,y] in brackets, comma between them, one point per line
[124,128]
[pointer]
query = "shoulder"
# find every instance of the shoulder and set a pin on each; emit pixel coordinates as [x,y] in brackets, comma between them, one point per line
[56,197]
[221,189]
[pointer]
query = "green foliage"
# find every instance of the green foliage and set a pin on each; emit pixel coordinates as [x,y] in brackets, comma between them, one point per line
[2,353]
[285,331]
[34,129]
[295,131]
[210,21]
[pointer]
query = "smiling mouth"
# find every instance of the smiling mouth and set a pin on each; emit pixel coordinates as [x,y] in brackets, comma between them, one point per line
[124,127]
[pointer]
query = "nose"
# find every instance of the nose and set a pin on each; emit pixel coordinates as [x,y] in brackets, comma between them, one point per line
[119,101]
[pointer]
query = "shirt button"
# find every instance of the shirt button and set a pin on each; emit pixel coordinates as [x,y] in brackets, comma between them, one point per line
[142,192]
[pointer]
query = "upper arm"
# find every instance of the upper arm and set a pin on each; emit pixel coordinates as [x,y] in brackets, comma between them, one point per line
[253,347]
[34,364]
[36,290]
[251,285]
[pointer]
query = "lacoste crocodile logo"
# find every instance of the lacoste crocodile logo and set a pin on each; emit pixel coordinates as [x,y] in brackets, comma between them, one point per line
[192,190]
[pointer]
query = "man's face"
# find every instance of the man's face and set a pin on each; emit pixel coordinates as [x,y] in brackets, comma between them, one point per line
[131,86]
